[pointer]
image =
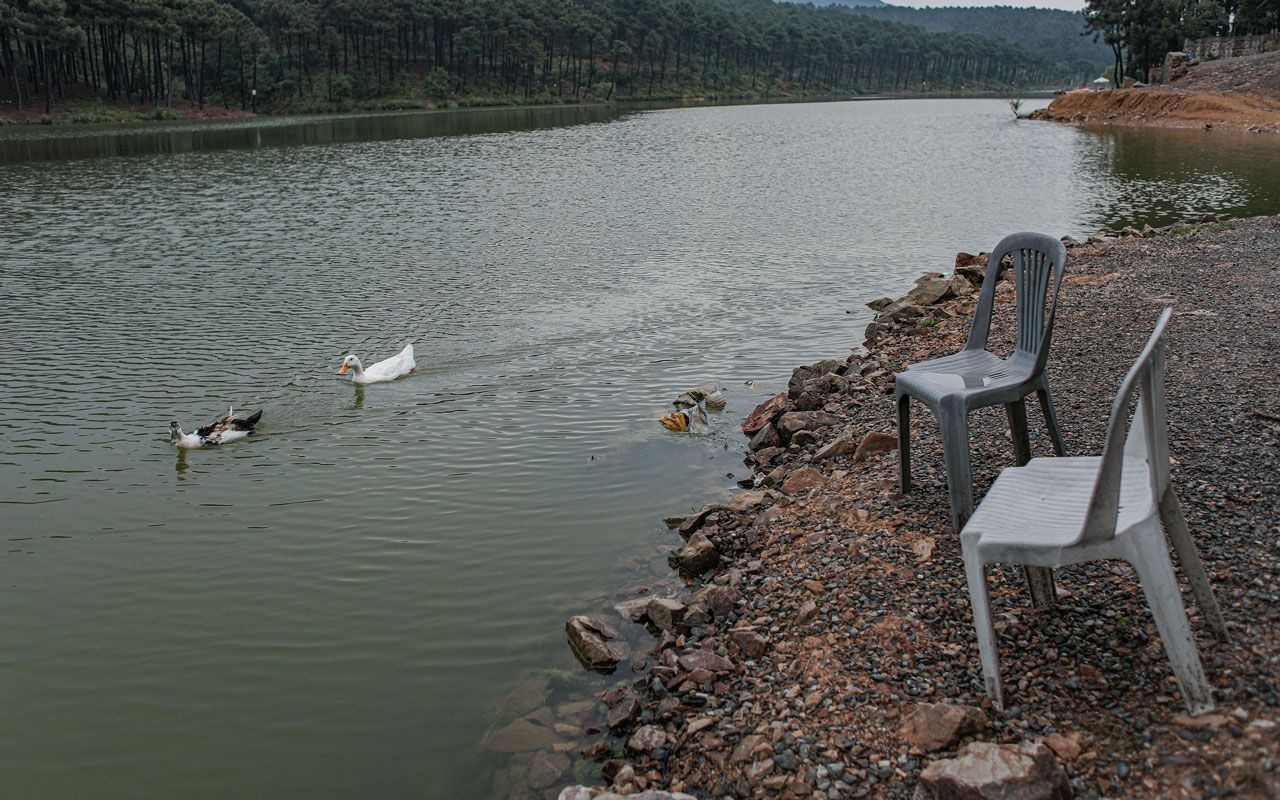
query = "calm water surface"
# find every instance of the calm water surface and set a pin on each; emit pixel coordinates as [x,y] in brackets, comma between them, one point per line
[336,607]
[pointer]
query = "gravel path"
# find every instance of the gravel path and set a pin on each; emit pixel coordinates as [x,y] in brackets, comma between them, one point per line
[850,598]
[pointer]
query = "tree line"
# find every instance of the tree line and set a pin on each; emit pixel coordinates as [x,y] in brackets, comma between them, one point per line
[299,54]
[1141,32]
[1054,34]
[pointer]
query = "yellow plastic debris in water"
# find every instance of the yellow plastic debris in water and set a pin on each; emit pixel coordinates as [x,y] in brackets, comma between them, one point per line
[675,421]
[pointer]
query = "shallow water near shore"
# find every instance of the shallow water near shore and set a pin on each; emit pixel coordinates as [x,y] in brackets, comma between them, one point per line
[336,607]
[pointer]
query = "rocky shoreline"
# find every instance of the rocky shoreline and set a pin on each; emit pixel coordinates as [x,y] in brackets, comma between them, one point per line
[824,648]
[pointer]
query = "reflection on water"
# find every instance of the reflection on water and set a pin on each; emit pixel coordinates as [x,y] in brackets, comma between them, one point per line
[146,138]
[335,607]
[1162,175]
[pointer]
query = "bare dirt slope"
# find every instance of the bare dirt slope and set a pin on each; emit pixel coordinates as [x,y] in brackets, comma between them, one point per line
[1239,93]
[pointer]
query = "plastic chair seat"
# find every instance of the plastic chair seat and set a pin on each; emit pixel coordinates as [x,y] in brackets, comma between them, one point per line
[979,377]
[1033,515]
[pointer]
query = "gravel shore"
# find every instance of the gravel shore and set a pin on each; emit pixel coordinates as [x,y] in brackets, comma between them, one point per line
[838,604]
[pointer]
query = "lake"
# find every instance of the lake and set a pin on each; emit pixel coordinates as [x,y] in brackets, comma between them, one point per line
[337,606]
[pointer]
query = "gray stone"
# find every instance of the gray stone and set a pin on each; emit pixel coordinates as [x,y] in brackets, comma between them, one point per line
[665,612]
[697,556]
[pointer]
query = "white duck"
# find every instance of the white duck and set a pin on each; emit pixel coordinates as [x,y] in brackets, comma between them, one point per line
[400,364]
[227,429]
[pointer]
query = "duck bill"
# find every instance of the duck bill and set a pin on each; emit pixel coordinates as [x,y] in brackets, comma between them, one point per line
[343,368]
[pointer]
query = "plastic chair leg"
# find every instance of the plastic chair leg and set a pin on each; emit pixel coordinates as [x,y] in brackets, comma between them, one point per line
[1176,526]
[1160,585]
[904,442]
[976,575]
[1017,413]
[955,447]
[1051,420]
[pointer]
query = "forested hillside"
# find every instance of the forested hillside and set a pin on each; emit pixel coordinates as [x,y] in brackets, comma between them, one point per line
[1057,35]
[313,54]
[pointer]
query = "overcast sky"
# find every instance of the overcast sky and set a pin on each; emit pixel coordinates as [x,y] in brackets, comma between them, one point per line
[1069,5]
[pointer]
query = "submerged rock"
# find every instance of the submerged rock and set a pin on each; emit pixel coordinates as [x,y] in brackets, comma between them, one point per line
[521,736]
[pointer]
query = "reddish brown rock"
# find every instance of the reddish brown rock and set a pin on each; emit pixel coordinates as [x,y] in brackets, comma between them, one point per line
[875,442]
[765,438]
[1066,745]
[750,644]
[766,413]
[987,771]
[705,659]
[933,726]
[802,479]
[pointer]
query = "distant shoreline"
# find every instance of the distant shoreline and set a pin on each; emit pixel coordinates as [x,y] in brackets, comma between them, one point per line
[96,115]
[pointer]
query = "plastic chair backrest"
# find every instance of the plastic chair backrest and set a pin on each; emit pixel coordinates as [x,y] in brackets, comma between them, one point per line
[1151,444]
[1037,259]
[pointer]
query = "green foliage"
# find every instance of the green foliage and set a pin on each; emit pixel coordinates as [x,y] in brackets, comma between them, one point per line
[1055,34]
[162,114]
[1141,32]
[286,55]
[436,84]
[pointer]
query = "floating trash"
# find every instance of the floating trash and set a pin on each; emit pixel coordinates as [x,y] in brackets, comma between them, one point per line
[710,395]
[692,419]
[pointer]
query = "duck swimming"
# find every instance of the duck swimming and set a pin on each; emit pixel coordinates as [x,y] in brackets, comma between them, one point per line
[227,429]
[400,364]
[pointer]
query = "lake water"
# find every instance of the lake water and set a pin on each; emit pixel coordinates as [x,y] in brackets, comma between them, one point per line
[336,607]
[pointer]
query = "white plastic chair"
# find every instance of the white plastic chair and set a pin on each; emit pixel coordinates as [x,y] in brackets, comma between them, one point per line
[1058,511]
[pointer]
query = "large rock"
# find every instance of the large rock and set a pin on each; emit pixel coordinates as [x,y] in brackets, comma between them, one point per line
[705,659]
[716,599]
[697,556]
[801,375]
[934,726]
[794,421]
[842,445]
[801,480]
[987,771]
[647,738]
[665,612]
[765,413]
[875,442]
[765,437]
[592,643]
